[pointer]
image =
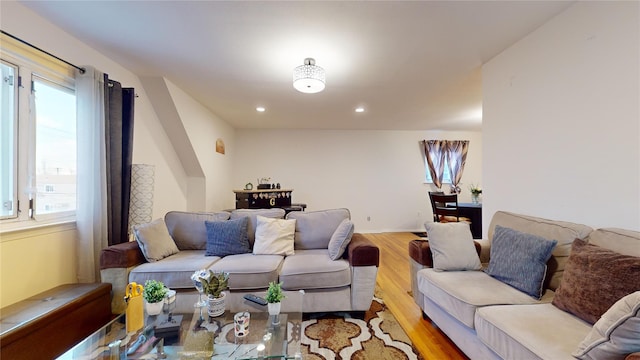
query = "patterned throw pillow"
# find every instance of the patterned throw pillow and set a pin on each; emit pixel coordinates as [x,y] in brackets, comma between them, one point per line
[520,259]
[227,237]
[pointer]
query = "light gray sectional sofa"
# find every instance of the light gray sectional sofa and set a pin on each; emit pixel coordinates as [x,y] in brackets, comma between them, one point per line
[488,319]
[344,284]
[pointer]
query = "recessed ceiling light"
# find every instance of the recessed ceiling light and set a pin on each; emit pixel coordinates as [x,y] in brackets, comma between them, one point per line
[261,109]
[359,109]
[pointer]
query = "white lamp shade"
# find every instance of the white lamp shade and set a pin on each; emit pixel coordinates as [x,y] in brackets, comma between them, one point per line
[309,78]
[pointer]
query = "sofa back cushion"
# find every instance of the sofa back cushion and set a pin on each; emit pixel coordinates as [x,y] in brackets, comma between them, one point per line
[315,228]
[188,230]
[561,231]
[622,241]
[252,214]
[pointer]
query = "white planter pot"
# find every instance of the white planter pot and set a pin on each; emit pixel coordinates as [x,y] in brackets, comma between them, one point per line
[274,312]
[216,306]
[154,308]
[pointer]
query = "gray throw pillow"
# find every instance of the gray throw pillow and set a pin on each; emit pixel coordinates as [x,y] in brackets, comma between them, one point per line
[340,239]
[616,334]
[227,237]
[154,240]
[452,246]
[520,259]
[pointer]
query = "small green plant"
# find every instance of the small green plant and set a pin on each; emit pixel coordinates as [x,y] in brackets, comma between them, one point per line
[274,292]
[215,283]
[154,291]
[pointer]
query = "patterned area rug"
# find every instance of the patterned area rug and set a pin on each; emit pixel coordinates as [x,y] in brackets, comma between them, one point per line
[341,336]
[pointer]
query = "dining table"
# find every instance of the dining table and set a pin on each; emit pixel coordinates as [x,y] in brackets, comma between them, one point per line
[472,211]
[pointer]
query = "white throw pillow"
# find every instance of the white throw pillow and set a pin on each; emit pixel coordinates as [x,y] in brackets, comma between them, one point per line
[452,246]
[274,236]
[616,334]
[340,239]
[154,240]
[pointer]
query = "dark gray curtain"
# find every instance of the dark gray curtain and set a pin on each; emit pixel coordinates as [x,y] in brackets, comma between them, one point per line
[119,106]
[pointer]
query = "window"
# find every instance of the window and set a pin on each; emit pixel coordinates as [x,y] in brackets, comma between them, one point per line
[8,141]
[38,137]
[446,176]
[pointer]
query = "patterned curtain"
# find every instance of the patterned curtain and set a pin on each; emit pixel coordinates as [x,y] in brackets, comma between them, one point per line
[434,151]
[456,156]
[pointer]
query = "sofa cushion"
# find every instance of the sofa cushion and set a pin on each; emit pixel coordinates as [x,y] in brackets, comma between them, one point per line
[616,334]
[227,237]
[520,259]
[460,293]
[562,231]
[315,228]
[274,236]
[340,239]
[314,269]
[174,271]
[248,271]
[154,240]
[188,230]
[275,213]
[529,331]
[622,241]
[452,246]
[591,270]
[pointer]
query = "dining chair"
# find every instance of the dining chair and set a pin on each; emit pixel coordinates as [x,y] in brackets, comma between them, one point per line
[445,208]
[433,204]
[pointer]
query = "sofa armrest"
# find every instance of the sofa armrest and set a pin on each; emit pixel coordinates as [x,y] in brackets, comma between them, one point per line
[122,255]
[362,251]
[420,251]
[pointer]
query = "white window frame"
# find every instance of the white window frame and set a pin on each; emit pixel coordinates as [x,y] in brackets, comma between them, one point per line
[30,64]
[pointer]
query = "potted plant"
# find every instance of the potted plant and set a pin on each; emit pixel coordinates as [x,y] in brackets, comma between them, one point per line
[274,297]
[153,294]
[213,285]
[475,193]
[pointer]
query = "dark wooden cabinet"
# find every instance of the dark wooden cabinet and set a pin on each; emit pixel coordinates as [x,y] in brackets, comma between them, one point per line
[263,199]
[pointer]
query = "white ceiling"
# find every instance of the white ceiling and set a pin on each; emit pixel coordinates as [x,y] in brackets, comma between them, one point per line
[412,65]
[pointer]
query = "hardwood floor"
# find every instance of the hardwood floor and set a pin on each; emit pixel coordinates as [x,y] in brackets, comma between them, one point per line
[395,281]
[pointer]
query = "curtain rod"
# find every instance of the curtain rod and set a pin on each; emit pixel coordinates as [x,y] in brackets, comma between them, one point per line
[82,70]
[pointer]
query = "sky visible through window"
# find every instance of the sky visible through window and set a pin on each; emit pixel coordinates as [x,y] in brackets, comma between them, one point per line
[55,165]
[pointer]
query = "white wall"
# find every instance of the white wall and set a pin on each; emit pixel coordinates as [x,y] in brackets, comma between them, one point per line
[375,174]
[203,129]
[27,255]
[561,119]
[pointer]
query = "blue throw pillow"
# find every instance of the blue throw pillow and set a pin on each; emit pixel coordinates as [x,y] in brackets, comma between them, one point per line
[520,259]
[227,237]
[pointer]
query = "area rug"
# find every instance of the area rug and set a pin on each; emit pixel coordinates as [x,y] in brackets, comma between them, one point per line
[340,336]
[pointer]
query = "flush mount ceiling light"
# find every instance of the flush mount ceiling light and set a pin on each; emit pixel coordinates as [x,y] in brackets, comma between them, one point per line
[308,78]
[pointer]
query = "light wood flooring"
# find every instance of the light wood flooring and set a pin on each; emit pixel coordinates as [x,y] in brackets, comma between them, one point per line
[395,282]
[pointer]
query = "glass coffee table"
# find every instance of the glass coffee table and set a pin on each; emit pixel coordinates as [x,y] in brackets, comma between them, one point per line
[196,336]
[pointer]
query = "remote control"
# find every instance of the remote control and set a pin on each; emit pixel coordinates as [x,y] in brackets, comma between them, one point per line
[256,299]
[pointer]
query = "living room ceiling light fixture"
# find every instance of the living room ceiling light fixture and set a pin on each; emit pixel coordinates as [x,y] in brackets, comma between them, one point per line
[261,109]
[359,109]
[309,78]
